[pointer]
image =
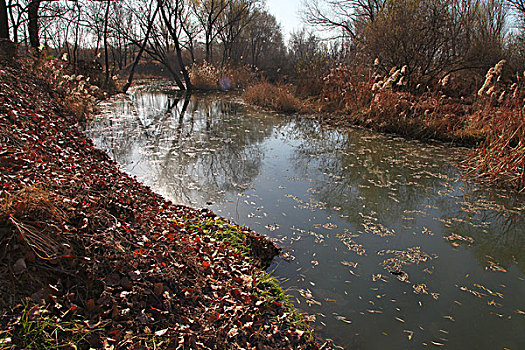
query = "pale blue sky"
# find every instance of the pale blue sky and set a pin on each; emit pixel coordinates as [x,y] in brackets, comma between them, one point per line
[287,14]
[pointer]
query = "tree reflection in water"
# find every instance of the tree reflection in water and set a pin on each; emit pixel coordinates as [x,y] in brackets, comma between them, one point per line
[191,149]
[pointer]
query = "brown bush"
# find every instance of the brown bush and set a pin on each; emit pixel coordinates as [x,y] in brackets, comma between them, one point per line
[277,98]
[206,76]
[501,158]
[346,90]
[74,92]
[426,116]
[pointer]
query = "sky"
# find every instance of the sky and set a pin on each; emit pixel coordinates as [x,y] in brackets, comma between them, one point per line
[287,14]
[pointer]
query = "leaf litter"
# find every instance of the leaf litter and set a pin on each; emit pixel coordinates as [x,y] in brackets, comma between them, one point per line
[92,247]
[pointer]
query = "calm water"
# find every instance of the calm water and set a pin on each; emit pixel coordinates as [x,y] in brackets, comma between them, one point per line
[387,246]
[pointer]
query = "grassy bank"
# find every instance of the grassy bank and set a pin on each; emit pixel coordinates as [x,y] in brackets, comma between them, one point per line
[93,259]
[490,120]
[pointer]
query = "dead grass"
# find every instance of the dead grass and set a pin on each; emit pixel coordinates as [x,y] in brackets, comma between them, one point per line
[346,90]
[500,159]
[75,93]
[204,76]
[208,77]
[29,213]
[277,98]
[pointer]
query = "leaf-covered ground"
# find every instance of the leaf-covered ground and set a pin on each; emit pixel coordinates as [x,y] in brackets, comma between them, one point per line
[90,258]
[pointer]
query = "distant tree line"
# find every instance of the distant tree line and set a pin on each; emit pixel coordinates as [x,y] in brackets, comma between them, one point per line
[174,33]
[430,38]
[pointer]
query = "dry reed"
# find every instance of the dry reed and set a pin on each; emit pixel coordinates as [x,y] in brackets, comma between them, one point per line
[277,98]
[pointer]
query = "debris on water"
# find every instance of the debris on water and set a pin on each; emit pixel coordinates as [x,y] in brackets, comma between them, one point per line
[455,239]
[341,318]
[493,266]
[349,264]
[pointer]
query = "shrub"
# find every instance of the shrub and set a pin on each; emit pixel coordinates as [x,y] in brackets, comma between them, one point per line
[346,89]
[501,158]
[277,98]
[208,77]
[204,76]
[74,92]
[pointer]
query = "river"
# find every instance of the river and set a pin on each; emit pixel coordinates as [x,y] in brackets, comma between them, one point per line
[385,244]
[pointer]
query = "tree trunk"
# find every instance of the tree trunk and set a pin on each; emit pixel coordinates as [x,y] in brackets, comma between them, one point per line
[34,40]
[208,48]
[106,53]
[4,28]
[178,49]
[141,50]
[14,22]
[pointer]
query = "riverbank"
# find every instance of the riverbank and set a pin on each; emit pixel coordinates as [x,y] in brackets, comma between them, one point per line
[94,259]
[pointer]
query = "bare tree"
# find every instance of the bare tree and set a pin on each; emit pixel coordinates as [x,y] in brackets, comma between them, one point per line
[518,5]
[4,26]
[237,16]
[149,27]
[191,30]
[341,14]
[32,12]
[264,36]
[208,13]
[172,12]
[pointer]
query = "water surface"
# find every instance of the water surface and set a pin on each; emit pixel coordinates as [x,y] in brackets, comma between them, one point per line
[387,246]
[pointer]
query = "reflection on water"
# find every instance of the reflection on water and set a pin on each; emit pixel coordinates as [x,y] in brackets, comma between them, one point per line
[190,150]
[388,247]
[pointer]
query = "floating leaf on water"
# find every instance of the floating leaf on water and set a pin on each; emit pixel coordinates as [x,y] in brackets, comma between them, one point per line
[342,318]
[454,239]
[349,263]
[497,294]
[427,231]
[329,226]
[494,267]
[272,227]
[420,288]
[410,334]
[311,302]
[374,311]
[353,273]
[378,277]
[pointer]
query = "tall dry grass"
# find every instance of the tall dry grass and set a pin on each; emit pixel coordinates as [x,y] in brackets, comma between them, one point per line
[346,90]
[206,76]
[75,93]
[500,159]
[28,212]
[277,98]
